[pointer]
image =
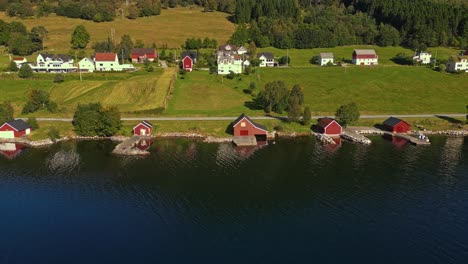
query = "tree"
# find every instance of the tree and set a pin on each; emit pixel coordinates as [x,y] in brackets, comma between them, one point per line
[25,71]
[295,101]
[284,60]
[13,67]
[125,47]
[388,36]
[39,99]
[240,36]
[274,97]
[306,116]
[347,114]
[94,120]
[133,12]
[6,112]
[442,68]
[80,37]
[20,44]
[38,35]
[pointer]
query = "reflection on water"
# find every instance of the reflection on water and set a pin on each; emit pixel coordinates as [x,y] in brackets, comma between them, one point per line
[11,150]
[295,201]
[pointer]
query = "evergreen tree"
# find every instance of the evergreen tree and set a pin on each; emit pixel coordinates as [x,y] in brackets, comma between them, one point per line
[80,37]
[306,116]
[295,101]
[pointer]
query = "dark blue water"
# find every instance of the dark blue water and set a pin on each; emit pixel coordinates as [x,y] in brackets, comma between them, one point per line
[191,202]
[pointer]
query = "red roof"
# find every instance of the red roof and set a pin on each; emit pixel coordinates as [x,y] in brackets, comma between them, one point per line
[105,57]
[18,58]
[324,122]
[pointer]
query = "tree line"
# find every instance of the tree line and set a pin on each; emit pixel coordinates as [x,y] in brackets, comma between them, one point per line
[19,41]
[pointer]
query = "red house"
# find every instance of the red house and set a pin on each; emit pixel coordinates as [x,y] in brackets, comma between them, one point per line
[144,128]
[396,125]
[189,58]
[139,55]
[244,126]
[14,129]
[329,126]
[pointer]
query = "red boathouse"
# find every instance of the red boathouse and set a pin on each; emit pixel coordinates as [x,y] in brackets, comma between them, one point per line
[396,125]
[144,128]
[189,58]
[329,126]
[14,129]
[244,126]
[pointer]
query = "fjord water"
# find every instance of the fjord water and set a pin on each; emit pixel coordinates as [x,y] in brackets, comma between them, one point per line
[295,201]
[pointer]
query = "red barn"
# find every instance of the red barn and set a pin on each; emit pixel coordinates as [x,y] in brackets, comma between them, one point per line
[329,126]
[244,126]
[139,55]
[144,128]
[365,57]
[14,129]
[189,58]
[396,125]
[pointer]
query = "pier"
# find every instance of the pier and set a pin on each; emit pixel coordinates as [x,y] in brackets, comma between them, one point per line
[411,139]
[129,147]
[245,141]
[354,136]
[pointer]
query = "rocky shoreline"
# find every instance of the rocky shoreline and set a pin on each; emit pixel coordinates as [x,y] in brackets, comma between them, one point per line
[214,139]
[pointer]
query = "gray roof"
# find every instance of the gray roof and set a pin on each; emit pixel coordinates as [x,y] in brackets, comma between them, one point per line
[250,120]
[326,55]
[267,55]
[393,121]
[143,51]
[365,52]
[62,57]
[19,124]
[192,54]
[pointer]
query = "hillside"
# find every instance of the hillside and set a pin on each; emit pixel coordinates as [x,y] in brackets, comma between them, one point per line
[172,27]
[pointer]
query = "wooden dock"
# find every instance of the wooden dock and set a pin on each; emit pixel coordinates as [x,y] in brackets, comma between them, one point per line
[411,139]
[244,141]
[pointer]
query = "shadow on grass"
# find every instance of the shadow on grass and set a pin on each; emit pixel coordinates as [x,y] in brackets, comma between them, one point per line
[229,129]
[253,105]
[451,120]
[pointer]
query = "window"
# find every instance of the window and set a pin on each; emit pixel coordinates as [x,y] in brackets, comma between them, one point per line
[243,124]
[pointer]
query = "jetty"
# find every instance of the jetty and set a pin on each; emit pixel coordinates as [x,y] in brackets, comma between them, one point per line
[353,135]
[245,141]
[411,139]
[129,147]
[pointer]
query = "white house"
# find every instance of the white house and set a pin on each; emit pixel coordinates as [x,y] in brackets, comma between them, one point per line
[227,64]
[86,65]
[242,50]
[422,57]
[457,63]
[365,57]
[107,62]
[53,63]
[266,59]
[325,58]
[20,61]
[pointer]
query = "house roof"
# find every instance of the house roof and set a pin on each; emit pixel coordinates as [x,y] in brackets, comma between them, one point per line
[105,56]
[145,123]
[250,121]
[393,121]
[267,55]
[143,51]
[18,58]
[326,55]
[62,57]
[18,124]
[223,47]
[326,121]
[365,52]
[192,54]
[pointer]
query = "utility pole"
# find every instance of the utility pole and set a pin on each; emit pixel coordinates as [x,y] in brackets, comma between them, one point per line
[122,56]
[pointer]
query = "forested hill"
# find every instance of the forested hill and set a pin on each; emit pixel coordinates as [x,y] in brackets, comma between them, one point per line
[293,23]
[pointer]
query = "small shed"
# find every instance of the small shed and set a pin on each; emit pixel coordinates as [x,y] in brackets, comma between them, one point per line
[189,58]
[329,126]
[144,128]
[244,126]
[396,125]
[15,129]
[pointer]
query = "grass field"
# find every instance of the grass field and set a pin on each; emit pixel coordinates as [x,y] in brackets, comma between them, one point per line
[377,90]
[172,27]
[301,57]
[130,92]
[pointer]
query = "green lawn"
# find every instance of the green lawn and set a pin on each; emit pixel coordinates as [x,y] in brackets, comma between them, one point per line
[377,90]
[301,57]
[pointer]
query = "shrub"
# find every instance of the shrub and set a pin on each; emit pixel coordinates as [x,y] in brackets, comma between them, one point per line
[231,75]
[52,107]
[442,68]
[25,71]
[278,128]
[33,123]
[150,68]
[13,67]
[59,78]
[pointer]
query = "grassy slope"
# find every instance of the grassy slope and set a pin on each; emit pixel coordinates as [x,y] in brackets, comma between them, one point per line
[377,90]
[130,92]
[172,27]
[301,57]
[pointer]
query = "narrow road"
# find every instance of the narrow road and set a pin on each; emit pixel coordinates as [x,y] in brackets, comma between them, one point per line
[230,118]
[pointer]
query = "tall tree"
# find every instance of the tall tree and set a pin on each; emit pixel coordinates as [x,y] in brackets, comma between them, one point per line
[347,114]
[274,97]
[295,101]
[80,37]
[6,112]
[125,47]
